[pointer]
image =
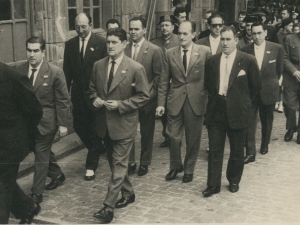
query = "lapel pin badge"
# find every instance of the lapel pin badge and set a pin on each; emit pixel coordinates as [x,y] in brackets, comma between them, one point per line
[268,52]
[45,84]
[145,52]
[196,53]
[45,76]
[92,49]
[123,71]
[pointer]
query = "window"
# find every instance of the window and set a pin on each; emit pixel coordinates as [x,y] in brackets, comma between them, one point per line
[100,11]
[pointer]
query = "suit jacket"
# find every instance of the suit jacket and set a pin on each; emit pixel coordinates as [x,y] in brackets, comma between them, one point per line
[241,89]
[51,90]
[205,42]
[272,34]
[244,41]
[129,87]
[204,34]
[271,70]
[172,42]
[183,86]
[77,75]
[20,109]
[291,61]
[151,57]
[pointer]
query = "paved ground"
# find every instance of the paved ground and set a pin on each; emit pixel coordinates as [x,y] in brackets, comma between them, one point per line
[269,190]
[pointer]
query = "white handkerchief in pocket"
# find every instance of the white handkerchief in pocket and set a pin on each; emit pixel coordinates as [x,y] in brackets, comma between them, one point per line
[272,61]
[241,73]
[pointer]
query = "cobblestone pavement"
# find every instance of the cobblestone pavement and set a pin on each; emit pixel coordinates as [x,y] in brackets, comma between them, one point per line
[269,190]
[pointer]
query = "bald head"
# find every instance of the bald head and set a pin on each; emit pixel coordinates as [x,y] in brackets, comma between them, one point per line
[83,24]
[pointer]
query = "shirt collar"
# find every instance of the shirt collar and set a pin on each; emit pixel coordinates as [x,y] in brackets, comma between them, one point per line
[118,60]
[262,46]
[87,38]
[189,48]
[211,38]
[37,68]
[140,42]
[232,55]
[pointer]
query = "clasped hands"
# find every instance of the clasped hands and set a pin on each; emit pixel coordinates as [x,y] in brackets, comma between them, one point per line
[110,104]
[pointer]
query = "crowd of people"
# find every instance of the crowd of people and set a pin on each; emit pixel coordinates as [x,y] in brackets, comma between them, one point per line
[219,81]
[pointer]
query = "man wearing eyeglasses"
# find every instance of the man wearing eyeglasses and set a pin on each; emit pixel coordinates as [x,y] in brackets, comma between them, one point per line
[81,52]
[247,38]
[269,57]
[215,24]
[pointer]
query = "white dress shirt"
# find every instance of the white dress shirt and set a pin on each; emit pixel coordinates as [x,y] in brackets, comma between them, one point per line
[259,53]
[225,71]
[86,40]
[117,64]
[137,48]
[188,55]
[214,44]
[35,73]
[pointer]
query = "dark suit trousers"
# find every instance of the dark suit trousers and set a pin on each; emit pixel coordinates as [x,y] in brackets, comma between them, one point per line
[118,156]
[83,126]
[164,120]
[12,198]
[217,130]
[291,102]
[45,163]
[266,117]
[192,124]
[147,126]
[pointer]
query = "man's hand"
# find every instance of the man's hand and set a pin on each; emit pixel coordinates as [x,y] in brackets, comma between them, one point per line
[63,131]
[98,102]
[297,75]
[111,105]
[160,110]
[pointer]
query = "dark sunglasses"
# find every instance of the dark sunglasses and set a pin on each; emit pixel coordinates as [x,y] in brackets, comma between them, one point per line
[217,24]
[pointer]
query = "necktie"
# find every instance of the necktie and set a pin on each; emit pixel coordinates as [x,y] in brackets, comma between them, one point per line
[184,59]
[82,50]
[111,75]
[32,76]
[226,80]
[135,51]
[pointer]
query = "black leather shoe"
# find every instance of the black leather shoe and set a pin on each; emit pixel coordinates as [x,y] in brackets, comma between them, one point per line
[124,201]
[289,134]
[105,215]
[173,173]
[131,167]
[56,182]
[30,216]
[209,191]
[165,144]
[233,187]
[249,159]
[298,139]
[187,178]
[264,150]
[89,177]
[142,170]
[37,198]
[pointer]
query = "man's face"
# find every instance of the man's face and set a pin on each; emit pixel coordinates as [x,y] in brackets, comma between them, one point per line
[34,54]
[207,15]
[181,17]
[228,42]
[216,26]
[258,35]
[115,46]
[296,30]
[185,34]
[289,28]
[166,28]
[112,25]
[248,29]
[82,26]
[284,14]
[241,17]
[136,30]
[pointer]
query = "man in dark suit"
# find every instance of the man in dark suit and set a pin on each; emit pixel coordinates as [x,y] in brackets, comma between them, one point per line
[206,32]
[81,52]
[50,88]
[151,57]
[269,57]
[291,84]
[180,15]
[20,111]
[118,88]
[215,24]
[166,41]
[232,80]
[185,99]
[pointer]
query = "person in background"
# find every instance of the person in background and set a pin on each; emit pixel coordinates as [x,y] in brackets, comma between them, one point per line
[247,39]
[296,28]
[180,15]
[239,25]
[112,23]
[206,32]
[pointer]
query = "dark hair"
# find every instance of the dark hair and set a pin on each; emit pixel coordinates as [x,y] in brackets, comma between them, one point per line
[214,15]
[210,12]
[118,32]
[179,10]
[139,18]
[34,40]
[242,13]
[256,24]
[87,15]
[193,25]
[229,28]
[288,9]
[112,21]
[286,22]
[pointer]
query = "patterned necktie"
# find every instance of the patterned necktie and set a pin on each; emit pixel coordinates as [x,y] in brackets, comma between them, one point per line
[135,51]
[82,50]
[32,76]
[111,75]
[184,61]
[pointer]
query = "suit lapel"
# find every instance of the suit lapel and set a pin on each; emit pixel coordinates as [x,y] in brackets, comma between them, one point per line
[120,74]
[194,56]
[177,59]
[77,52]
[216,67]
[235,69]
[90,48]
[128,49]
[267,53]
[41,76]
[143,52]
[104,74]
[219,49]
[207,42]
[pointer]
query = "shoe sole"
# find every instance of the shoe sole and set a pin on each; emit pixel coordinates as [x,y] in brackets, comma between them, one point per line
[123,206]
[208,195]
